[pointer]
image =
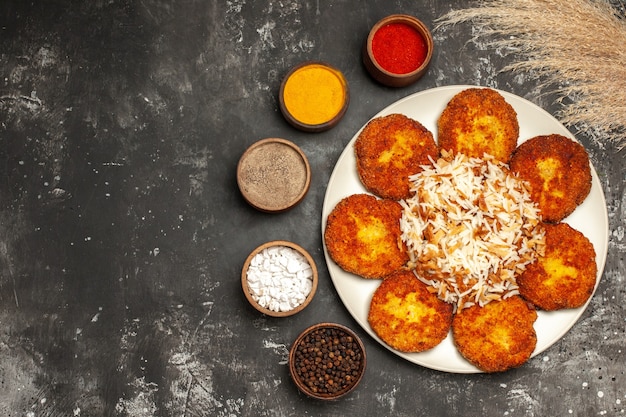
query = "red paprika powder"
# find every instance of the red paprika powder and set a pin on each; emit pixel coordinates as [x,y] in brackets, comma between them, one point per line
[399,48]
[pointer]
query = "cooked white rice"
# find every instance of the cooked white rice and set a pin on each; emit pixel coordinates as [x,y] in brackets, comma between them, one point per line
[470,229]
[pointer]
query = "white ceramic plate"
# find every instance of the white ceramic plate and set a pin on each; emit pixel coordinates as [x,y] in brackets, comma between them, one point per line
[590,218]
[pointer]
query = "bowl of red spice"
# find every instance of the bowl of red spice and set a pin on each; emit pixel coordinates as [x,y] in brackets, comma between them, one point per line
[327,361]
[398,50]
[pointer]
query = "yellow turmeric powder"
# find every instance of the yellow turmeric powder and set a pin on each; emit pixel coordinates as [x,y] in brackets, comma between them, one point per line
[314,94]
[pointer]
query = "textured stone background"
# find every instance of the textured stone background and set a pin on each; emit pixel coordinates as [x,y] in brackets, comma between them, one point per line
[122,231]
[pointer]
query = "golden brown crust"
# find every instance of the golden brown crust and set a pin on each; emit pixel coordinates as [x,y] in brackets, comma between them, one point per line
[558,172]
[407,316]
[478,121]
[388,150]
[498,336]
[362,236]
[565,276]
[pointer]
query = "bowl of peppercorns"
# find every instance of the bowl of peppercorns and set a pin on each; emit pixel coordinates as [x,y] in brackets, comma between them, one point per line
[327,361]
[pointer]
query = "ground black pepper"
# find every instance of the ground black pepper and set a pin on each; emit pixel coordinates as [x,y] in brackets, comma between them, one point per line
[328,361]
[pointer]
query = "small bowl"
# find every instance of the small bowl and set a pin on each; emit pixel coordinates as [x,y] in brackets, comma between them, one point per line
[347,356]
[273,175]
[309,104]
[246,285]
[384,75]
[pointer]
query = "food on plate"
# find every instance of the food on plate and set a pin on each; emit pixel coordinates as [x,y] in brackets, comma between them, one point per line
[566,275]
[470,229]
[498,336]
[478,121]
[484,248]
[407,316]
[388,150]
[558,172]
[362,235]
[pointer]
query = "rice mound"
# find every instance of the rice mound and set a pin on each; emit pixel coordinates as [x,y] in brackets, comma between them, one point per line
[470,228]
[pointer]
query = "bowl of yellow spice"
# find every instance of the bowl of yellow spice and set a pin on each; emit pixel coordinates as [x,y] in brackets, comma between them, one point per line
[314,96]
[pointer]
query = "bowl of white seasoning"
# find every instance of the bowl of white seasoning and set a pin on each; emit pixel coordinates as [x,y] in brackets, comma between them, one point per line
[279,278]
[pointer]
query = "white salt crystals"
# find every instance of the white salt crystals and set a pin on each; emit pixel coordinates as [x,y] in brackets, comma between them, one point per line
[279,278]
[471,228]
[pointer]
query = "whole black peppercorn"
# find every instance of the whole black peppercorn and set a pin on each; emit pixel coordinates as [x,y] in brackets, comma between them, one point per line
[326,362]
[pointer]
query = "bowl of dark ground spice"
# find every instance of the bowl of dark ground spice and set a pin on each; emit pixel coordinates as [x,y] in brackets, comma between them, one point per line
[273,175]
[398,50]
[327,361]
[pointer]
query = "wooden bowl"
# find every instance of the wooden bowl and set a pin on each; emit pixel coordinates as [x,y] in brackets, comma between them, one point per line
[385,76]
[248,292]
[346,370]
[273,175]
[310,105]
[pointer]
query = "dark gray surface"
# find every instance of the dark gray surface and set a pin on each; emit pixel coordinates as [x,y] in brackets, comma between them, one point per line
[122,231]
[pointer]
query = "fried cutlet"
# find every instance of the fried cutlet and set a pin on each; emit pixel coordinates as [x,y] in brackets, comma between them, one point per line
[362,236]
[478,121]
[498,336]
[558,172]
[388,150]
[565,276]
[407,316]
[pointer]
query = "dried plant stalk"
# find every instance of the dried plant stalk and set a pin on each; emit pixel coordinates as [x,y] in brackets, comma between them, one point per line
[577,46]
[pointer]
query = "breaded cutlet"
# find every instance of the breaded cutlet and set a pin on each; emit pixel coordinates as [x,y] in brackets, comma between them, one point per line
[388,150]
[406,315]
[565,276]
[558,172]
[478,121]
[362,235]
[498,336]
